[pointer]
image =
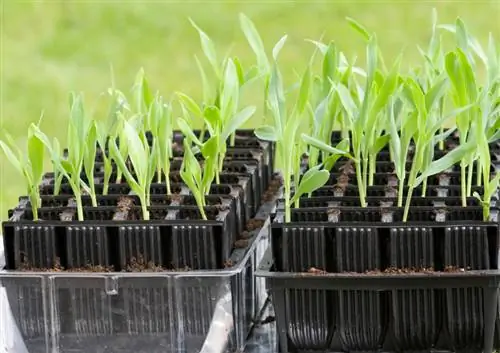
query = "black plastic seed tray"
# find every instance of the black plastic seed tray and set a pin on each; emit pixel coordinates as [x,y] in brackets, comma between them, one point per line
[390,191]
[378,201]
[383,313]
[245,138]
[357,279]
[176,310]
[173,238]
[240,192]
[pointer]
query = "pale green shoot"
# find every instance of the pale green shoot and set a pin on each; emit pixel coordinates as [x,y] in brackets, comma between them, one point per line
[364,115]
[285,133]
[196,178]
[221,120]
[143,98]
[425,135]
[464,92]
[118,104]
[142,157]
[89,159]
[29,165]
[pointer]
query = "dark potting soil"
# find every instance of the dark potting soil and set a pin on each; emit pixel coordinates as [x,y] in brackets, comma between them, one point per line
[140,265]
[254,224]
[394,270]
[25,266]
[274,186]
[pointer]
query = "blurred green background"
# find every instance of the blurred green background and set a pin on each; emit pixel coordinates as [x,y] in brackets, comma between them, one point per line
[52,47]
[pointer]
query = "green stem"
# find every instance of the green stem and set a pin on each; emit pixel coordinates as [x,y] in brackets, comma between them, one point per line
[108,169]
[361,188]
[144,207]
[470,169]
[35,204]
[407,204]
[365,173]
[233,139]
[479,171]
[118,177]
[167,181]
[424,187]
[400,191]
[486,211]
[372,169]
[463,184]
[441,143]
[79,205]
[158,174]
[288,216]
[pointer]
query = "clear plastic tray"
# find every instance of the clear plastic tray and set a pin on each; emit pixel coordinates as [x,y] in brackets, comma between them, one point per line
[195,311]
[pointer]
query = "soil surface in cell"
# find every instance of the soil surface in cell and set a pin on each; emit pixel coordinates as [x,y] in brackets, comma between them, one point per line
[394,270]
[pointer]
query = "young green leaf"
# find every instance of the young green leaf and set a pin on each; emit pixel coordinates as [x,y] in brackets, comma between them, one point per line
[255,41]
[208,48]
[313,179]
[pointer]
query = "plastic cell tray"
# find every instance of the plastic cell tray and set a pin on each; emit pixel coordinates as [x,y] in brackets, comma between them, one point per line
[192,311]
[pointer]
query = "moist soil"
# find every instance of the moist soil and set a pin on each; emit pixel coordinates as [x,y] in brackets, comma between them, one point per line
[140,265]
[27,267]
[395,270]
[254,224]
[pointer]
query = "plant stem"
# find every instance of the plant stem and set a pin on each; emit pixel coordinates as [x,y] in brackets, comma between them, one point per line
[233,139]
[424,187]
[400,191]
[407,204]
[288,216]
[469,179]
[361,188]
[365,173]
[158,174]
[144,207]
[486,211]
[372,169]
[479,171]
[202,212]
[118,177]
[441,143]
[79,205]
[463,185]
[108,169]
[167,182]
[35,203]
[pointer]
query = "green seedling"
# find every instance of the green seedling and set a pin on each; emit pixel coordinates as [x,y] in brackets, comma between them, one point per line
[364,114]
[196,178]
[239,79]
[220,120]
[80,131]
[424,137]
[143,160]
[285,133]
[29,165]
[160,122]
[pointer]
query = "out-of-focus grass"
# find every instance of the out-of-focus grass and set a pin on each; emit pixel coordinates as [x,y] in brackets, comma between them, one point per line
[51,47]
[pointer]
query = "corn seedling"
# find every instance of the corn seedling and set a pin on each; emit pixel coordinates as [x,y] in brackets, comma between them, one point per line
[160,122]
[285,133]
[221,120]
[196,178]
[239,78]
[29,165]
[363,114]
[143,160]
[425,137]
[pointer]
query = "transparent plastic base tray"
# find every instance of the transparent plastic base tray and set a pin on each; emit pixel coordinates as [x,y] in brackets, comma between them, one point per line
[167,312]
